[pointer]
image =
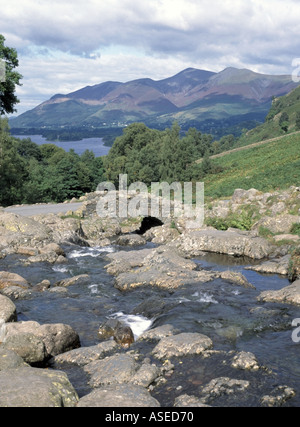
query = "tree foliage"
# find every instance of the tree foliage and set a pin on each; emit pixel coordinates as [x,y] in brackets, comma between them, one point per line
[30,173]
[8,98]
[150,155]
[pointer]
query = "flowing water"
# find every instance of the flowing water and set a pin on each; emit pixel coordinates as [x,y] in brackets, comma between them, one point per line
[230,315]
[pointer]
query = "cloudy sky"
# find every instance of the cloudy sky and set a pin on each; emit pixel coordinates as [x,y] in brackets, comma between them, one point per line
[64,45]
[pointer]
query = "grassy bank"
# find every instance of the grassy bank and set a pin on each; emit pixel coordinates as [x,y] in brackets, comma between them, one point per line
[274,165]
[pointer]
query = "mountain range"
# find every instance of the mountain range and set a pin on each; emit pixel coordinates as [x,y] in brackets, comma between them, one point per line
[207,100]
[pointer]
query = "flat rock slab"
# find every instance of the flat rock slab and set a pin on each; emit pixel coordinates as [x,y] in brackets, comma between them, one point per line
[85,355]
[152,276]
[116,369]
[288,295]
[273,266]
[124,395]
[32,387]
[231,242]
[182,345]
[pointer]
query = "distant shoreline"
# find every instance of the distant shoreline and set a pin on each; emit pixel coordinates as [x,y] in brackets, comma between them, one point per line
[96,145]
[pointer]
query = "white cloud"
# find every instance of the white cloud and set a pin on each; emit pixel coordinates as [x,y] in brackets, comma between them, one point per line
[66,44]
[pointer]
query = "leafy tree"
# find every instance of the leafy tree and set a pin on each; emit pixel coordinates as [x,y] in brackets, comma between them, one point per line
[12,168]
[8,98]
[206,166]
[298,121]
[284,121]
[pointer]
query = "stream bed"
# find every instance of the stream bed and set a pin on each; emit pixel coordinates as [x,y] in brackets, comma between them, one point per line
[230,315]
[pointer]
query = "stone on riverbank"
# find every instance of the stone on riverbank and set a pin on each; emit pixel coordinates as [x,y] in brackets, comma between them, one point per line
[33,387]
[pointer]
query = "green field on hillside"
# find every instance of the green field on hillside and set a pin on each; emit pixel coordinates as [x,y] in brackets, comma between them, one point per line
[274,165]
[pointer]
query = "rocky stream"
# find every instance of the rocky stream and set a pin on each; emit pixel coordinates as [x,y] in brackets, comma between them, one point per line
[96,312]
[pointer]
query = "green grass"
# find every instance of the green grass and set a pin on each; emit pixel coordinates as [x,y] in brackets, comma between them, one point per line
[274,165]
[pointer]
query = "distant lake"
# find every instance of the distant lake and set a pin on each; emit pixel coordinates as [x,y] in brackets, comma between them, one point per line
[93,144]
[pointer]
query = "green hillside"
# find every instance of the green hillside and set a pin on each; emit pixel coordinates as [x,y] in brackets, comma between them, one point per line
[283,118]
[270,166]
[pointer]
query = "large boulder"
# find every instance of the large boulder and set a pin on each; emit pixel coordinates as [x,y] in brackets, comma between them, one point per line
[33,387]
[57,338]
